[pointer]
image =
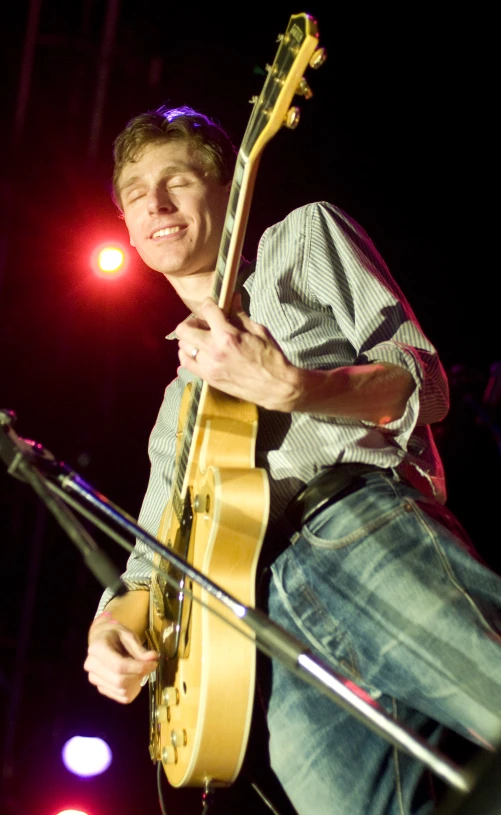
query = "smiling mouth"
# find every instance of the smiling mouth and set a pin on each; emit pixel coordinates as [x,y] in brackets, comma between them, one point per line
[169,230]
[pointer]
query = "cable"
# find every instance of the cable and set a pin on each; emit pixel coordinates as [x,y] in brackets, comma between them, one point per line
[208,797]
[160,776]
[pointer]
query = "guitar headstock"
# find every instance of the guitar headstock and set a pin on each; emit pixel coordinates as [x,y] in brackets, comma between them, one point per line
[298,50]
[272,109]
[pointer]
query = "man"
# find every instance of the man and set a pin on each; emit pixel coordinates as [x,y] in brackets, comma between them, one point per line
[379,579]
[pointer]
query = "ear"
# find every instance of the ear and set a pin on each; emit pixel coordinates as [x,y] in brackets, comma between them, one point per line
[132,242]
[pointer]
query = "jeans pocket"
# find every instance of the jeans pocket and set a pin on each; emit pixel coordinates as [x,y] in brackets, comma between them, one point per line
[355,517]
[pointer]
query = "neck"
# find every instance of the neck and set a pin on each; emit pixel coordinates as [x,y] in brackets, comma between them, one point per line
[193,289]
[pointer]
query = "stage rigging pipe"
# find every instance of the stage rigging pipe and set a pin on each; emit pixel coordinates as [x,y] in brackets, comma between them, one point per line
[105,56]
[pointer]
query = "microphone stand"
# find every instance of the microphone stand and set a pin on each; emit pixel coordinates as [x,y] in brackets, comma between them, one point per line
[26,460]
[19,455]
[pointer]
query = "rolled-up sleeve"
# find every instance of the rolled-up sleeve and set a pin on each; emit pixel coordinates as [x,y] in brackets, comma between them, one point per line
[374,315]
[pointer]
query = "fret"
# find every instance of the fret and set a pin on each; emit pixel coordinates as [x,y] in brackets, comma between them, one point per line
[187,439]
[239,168]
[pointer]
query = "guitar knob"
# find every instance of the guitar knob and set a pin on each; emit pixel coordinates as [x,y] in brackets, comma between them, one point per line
[170,696]
[292,118]
[178,738]
[162,714]
[169,755]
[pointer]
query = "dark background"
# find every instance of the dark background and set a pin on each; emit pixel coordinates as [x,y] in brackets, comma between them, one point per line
[399,133]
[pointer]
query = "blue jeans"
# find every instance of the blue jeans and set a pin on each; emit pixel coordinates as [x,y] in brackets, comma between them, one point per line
[386,593]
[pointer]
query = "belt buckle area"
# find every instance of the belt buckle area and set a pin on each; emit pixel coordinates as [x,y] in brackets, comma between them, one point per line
[324,488]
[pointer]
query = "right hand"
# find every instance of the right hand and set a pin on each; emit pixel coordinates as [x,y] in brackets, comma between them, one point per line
[116,660]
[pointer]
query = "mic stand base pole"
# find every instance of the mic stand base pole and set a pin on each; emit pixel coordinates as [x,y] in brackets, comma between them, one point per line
[484,797]
[270,638]
[275,642]
[21,458]
[95,559]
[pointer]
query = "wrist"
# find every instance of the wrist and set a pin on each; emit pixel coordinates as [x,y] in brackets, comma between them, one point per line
[101,620]
[129,610]
[305,390]
[289,393]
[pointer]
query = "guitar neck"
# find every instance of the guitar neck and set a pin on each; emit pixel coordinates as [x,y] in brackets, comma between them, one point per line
[269,114]
[271,110]
[235,226]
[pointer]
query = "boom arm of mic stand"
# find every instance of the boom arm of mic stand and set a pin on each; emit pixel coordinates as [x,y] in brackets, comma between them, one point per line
[277,643]
[270,638]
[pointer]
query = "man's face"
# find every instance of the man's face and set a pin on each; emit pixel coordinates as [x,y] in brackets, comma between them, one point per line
[173,211]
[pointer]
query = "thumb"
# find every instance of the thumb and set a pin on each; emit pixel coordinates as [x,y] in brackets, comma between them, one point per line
[131,644]
[238,315]
[236,304]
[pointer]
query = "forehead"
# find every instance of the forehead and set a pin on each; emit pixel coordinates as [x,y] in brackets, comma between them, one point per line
[158,159]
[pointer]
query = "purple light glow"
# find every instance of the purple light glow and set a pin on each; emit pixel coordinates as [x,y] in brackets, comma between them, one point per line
[86,756]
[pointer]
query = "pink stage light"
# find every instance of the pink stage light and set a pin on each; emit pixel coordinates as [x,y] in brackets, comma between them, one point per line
[72,812]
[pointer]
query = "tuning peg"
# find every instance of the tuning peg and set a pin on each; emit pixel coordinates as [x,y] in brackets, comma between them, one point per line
[253,100]
[304,89]
[292,118]
[318,58]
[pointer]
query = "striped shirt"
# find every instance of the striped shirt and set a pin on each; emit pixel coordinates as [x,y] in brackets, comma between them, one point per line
[325,294]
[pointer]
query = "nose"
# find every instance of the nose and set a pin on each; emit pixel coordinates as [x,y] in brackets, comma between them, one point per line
[159,200]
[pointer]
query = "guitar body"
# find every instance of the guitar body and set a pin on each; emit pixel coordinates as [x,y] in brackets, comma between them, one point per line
[202,696]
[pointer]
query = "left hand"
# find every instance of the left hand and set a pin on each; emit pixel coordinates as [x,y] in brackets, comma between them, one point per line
[237,356]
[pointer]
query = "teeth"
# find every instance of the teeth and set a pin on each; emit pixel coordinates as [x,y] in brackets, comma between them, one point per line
[168,231]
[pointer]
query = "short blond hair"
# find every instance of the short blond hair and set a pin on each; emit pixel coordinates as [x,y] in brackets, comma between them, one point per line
[216,151]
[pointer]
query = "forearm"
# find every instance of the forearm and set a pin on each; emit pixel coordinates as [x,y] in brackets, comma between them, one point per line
[244,360]
[377,392]
[131,610]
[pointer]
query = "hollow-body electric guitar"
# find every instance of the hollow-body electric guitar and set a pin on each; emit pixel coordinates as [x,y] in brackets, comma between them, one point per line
[201,695]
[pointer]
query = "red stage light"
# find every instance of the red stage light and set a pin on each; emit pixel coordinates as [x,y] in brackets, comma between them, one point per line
[71,812]
[109,260]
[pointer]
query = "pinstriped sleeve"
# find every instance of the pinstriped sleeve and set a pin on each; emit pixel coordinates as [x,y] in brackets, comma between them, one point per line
[374,314]
[161,451]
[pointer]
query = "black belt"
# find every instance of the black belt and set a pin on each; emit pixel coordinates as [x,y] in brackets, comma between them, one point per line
[325,487]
